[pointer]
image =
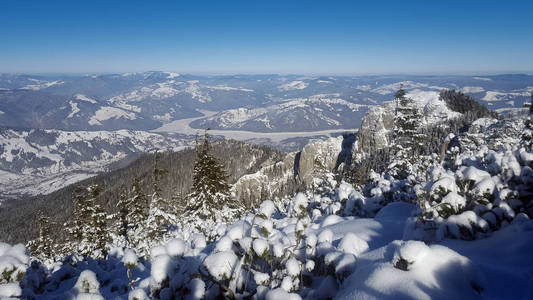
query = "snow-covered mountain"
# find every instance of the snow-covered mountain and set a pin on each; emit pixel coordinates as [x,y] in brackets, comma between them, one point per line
[37,161]
[317,112]
[377,125]
[141,101]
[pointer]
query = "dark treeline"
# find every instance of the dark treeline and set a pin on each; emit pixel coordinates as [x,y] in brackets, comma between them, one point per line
[18,218]
[459,102]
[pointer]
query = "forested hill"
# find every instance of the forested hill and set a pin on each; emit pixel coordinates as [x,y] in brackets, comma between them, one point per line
[18,218]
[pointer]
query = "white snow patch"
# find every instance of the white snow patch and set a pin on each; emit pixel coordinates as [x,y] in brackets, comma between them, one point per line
[42,85]
[108,112]
[8,290]
[228,88]
[74,109]
[352,244]
[172,75]
[260,246]
[472,89]
[82,97]
[293,85]
[176,247]
[130,258]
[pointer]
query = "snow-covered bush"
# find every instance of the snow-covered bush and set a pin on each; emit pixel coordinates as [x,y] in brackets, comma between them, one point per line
[478,189]
[13,262]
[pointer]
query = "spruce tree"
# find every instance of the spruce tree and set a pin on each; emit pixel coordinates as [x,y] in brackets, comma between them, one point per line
[210,190]
[43,247]
[406,137]
[120,218]
[98,235]
[531,105]
[79,215]
[137,207]
[158,220]
[89,234]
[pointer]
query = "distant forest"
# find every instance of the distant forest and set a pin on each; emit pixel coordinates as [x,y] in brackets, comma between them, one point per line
[18,218]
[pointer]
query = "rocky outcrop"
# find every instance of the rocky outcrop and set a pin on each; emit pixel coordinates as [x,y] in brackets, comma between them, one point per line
[317,158]
[377,125]
[376,128]
[284,177]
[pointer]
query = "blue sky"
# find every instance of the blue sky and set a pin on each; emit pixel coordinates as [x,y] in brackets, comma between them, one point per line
[304,37]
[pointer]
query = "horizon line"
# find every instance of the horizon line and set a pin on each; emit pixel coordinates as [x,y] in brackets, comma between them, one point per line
[340,74]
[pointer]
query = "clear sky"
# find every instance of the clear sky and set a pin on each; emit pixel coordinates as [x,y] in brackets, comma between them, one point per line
[304,37]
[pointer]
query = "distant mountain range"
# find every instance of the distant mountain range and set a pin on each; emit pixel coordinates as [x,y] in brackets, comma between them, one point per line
[56,130]
[264,103]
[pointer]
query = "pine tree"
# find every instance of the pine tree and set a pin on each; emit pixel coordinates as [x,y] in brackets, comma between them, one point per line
[79,214]
[137,207]
[406,137]
[531,105]
[210,190]
[98,232]
[43,247]
[89,234]
[158,220]
[120,219]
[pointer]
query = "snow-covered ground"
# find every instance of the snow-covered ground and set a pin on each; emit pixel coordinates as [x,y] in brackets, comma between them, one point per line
[377,262]
[499,264]
[336,240]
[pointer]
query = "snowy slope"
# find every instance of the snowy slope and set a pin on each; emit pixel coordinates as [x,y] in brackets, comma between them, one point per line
[318,112]
[41,161]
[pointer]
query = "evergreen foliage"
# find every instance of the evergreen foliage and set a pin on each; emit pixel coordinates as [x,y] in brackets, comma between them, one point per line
[406,135]
[158,220]
[17,217]
[133,212]
[43,247]
[121,217]
[210,189]
[89,234]
[531,105]
[459,102]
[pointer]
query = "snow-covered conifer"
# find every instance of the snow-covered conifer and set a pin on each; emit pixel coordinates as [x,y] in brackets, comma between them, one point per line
[43,247]
[158,219]
[210,190]
[89,234]
[406,136]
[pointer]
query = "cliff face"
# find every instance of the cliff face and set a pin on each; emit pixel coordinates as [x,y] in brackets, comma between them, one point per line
[299,168]
[376,128]
[296,170]
[377,125]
